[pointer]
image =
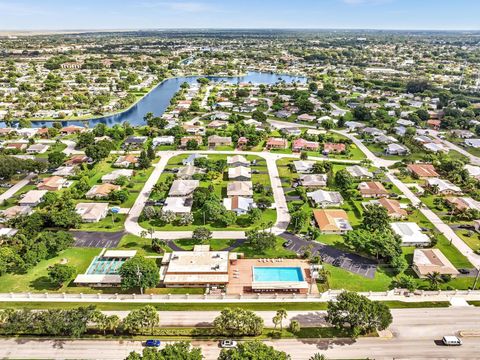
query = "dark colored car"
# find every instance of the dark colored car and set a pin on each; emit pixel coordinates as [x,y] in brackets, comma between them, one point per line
[464,271]
[152,343]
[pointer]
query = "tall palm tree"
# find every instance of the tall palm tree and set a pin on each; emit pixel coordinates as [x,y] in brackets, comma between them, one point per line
[435,279]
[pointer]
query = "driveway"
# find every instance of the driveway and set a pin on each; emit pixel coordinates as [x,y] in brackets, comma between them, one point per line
[351,262]
[13,190]
[97,239]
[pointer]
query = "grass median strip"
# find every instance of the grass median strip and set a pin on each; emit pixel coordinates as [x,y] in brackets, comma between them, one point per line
[289,306]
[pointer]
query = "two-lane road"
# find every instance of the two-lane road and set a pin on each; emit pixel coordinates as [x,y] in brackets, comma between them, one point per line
[415,332]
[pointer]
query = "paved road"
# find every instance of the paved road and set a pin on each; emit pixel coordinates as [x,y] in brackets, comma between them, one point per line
[473,159]
[18,186]
[414,334]
[345,260]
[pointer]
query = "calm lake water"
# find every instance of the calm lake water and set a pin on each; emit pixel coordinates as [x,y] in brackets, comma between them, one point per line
[158,99]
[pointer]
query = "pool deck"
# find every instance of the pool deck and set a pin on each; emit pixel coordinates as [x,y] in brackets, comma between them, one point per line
[241,280]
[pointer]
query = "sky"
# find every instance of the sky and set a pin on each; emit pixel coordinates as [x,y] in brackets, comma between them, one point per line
[312,14]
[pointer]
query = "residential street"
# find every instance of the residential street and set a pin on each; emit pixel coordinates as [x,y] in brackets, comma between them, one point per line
[416,334]
[13,190]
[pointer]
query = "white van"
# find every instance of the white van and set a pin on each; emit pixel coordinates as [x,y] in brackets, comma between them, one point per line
[451,341]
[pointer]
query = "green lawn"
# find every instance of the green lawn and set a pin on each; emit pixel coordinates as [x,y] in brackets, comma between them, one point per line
[36,279]
[111,223]
[142,245]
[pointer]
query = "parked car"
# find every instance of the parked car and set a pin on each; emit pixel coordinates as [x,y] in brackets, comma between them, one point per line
[152,343]
[451,341]
[464,271]
[287,243]
[228,344]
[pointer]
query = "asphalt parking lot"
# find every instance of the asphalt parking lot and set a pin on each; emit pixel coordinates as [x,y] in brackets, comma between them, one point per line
[97,239]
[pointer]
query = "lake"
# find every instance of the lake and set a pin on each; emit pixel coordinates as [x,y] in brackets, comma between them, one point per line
[158,99]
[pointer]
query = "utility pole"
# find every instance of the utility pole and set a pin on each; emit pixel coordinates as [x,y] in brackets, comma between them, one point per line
[139,274]
[476,279]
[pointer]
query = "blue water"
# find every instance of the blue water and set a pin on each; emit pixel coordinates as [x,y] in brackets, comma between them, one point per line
[277,274]
[158,99]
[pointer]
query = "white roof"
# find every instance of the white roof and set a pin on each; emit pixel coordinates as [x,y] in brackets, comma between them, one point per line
[473,170]
[410,233]
[119,253]
[115,174]
[237,159]
[303,165]
[176,205]
[64,171]
[443,185]
[33,196]
[322,196]
[244,203]
[97,279]
[358,171]
[198,262]
[183,187]
[239,171]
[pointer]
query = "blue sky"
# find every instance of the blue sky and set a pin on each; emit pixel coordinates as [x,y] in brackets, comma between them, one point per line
[135,14]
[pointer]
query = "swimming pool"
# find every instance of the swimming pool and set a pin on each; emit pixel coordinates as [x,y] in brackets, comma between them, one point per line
[277,274]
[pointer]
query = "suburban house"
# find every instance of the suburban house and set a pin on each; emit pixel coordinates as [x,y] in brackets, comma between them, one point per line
[422,170]
[187,172]
[276,143]
[37,149]
[32,198]
[64,171]
[77,160]
[462,204]
[324,198]
[116,174]
[333,148]
[217,124]
[190,160]
[238,204]
[410,234]
[14,211]
[183,188]
[178,205]
[163,140]
[135,141]
[215,140]
[372,189]
[52,183]
[19,146]
[332,221]
[240,188]
[126,161]
[302,144]
[473,171]
[394,208]
[242,142]
[475,143]
[92,212]
[306,117]
[239,173]
[396,149]
[313,180]
[237,160]
[429,261]
[443,187]
[101,191]
[303,166]
[72,129]
[184,140]
[291,131]
[359,172]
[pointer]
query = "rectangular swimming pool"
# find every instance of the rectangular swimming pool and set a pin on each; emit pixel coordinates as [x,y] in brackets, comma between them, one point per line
[277,274]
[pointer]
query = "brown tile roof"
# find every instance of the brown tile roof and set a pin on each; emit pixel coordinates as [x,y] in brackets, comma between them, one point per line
[393,207]
[326,218]
[372,188]
[423,170]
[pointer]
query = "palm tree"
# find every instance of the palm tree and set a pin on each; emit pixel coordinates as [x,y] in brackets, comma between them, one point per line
[281,314]
[435,279]
[277,320]
[112,322]
[318,356]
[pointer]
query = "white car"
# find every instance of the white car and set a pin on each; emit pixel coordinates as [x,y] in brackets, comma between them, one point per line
[228,344]
[451,341]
